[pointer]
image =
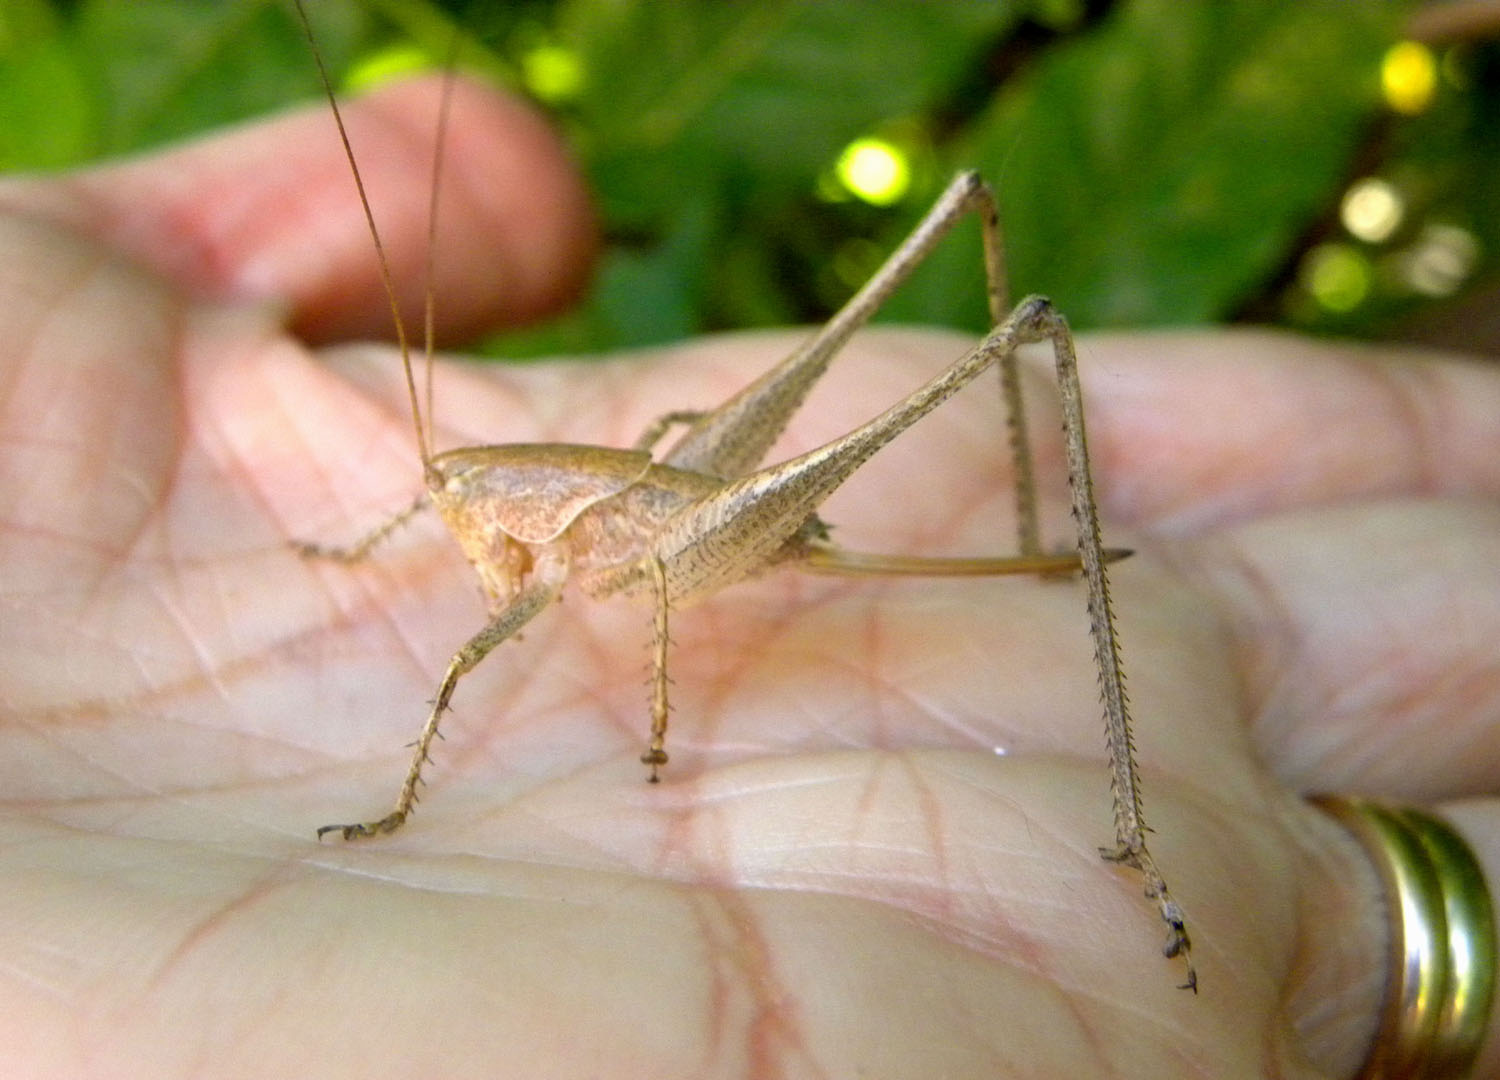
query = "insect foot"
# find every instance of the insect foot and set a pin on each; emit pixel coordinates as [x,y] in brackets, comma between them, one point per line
[1178,942]
[656,759]
[390,823]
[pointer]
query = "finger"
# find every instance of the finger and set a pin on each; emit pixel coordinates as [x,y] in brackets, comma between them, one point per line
[1193,430]
[270,211]
[1343,895]
[1364,639]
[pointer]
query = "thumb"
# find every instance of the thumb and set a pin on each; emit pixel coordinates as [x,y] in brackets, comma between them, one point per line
[269,211]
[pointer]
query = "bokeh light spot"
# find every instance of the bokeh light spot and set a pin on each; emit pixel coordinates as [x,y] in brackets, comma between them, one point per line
[874,170]
[1441,259]
[855,260]
[1338,277]
[1372,210]
[552,73]
[1409,77]
[387,65]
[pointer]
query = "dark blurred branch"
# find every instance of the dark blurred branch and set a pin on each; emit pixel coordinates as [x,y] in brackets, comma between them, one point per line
[1455,20]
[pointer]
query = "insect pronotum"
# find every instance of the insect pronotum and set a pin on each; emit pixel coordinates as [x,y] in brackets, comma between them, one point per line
[675,526]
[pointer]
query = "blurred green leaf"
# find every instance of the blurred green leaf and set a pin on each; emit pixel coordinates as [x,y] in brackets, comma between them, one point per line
[776,87]
[48,114]
[115,77]
[742,106]
[1156,161]
[170,69]
[1156,168]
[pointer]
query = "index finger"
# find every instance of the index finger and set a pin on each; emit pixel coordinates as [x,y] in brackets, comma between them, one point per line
[269,211]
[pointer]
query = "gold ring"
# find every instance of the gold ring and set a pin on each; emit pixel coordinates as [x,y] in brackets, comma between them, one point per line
[1443,958]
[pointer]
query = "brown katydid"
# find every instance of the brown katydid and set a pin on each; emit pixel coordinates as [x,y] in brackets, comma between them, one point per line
[673,527]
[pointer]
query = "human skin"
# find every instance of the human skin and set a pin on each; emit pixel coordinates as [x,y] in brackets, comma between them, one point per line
[874,851]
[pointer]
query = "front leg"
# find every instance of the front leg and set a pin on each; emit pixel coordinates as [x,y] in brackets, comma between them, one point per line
[527,603]
[360,548]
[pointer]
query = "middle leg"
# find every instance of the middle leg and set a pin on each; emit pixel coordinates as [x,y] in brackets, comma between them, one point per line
[521,610]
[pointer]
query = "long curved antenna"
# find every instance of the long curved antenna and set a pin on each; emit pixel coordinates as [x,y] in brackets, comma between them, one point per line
[429,271]
[423,447]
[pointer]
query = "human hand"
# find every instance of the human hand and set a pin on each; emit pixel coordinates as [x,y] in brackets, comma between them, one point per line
[876,845]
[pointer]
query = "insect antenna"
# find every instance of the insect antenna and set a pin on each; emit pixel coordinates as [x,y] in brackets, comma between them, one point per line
[422,427]
[429,271]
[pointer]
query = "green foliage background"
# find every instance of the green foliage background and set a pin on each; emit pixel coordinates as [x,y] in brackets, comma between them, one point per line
[1157,161]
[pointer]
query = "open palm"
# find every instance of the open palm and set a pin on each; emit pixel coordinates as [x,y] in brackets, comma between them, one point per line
[875,849]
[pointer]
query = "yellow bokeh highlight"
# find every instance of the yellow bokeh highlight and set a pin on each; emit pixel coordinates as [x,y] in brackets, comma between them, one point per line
[552,73]
[1337,276]
[385,66]
[1409,77]
[874,170]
